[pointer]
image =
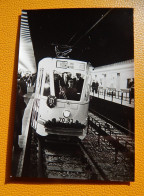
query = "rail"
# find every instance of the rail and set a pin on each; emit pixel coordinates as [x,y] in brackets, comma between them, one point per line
[66,160]
[116,125]
[121,142]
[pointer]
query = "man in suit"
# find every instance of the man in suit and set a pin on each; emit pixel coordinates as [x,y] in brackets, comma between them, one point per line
[66,78]
[71,91]
[79,83]
[60,86]
[96,85]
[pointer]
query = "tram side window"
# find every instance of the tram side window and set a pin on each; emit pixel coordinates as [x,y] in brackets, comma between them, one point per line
[68,86]
[39,82]
[46,91]
[41,77]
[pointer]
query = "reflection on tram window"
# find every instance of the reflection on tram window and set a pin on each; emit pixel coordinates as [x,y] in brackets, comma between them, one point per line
[46,91]
[41,78]
[68,86]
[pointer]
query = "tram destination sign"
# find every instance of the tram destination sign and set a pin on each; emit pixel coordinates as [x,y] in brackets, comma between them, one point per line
[71,65]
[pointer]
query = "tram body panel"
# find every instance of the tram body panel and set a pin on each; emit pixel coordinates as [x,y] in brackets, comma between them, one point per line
[78,113]
[77,107]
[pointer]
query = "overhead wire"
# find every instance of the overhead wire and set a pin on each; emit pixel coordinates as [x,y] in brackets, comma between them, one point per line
[58,52]
[96,23]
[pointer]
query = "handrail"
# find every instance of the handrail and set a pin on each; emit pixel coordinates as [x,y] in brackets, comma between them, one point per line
[123,94]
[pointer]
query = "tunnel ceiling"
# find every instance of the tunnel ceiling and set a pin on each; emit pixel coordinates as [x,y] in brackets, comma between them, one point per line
[110,41]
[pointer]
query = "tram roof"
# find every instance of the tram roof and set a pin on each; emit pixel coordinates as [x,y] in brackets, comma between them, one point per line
[63,59]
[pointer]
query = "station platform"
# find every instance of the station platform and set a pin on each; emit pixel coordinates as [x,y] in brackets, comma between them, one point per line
[18,156]
[122,115]
[124,102]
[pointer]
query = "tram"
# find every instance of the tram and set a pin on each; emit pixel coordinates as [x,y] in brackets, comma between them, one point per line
[61,98]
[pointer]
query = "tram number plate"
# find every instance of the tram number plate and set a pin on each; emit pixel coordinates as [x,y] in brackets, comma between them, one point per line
[66,120]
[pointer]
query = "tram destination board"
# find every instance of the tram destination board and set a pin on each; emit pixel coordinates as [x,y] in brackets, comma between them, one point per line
[74,115]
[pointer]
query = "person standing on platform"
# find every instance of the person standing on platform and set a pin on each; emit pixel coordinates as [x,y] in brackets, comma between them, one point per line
[93,87]
[23,86]
[96,86]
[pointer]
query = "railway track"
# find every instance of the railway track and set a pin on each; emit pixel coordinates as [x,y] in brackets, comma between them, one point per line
[65,160]
[112,124]
[61,159]
[119,137]
[112,148]
[106,153]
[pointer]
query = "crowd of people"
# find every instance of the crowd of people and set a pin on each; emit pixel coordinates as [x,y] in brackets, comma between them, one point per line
[19,110]
[29,79]
[22,84]
[68,87]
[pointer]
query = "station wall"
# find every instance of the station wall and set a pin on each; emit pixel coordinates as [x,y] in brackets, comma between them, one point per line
[116,75]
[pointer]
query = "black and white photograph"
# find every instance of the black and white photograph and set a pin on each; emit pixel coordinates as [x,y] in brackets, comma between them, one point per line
[74,109]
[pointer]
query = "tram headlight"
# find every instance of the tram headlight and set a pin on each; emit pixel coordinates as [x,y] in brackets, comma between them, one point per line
[66,113]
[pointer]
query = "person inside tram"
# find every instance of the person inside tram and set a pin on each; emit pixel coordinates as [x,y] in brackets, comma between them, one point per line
[67,87]
[47,86]
[59,86]
[56,85]
[79,83]
[66,77]
[71,91]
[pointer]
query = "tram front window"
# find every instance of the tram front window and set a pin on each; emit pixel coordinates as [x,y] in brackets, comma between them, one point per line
[68,86]
[46,91]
